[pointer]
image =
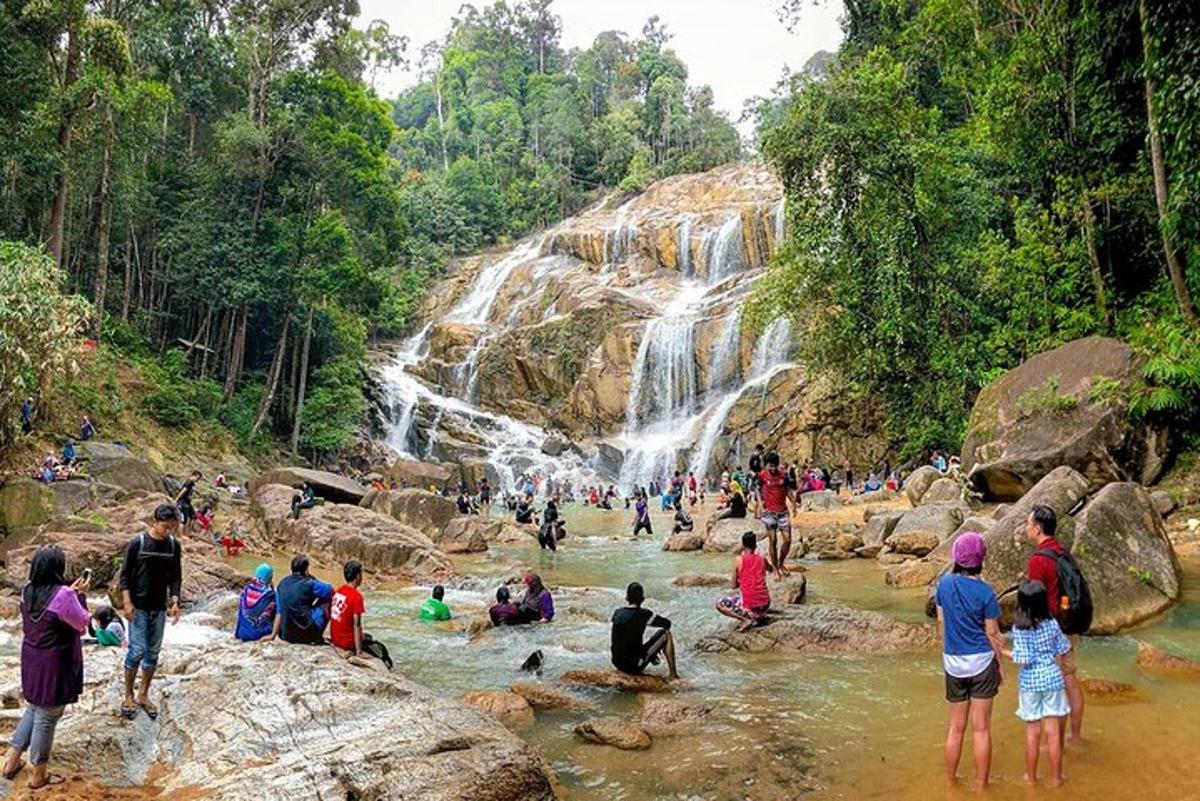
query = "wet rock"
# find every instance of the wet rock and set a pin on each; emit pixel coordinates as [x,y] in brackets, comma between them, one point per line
[819,501]
[683,541]
[941,491]
[419,474]
[834,555]
[297,722]
[1153,658]
[554,445]
[668,717]
[790,591]
[701,580]
[913,543]
[725,536]
[513,710]
[1164,502]
[468,534]
[868,551]
[545,696]
[1107,693]
[1065,407]
[615,679]
[888,558]
[821,629]
[330,486]
[848,543]
[338,532]
[423,510]
[610,456]
[880,527]
[912,574]
[618,733]
[919,483]
[116,465]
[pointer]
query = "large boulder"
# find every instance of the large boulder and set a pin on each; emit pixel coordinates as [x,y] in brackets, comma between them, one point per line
[24,504]
[925,525]
[338,532]
[683,541]
[513,710]
[880,527]
[913,543]
[725,536]
[468,534]
[942,490]
[823,629]
[912,574]
[113,463]
[1123,550]
[425,511]
[819,501]
[1068,406]
[917,484]
[330,486]
[414,473]
[623,734]
[273,719]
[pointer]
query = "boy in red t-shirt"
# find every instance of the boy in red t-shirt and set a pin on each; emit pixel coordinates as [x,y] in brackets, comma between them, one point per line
[346,612]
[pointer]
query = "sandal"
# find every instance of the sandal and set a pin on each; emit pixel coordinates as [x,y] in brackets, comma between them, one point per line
[150,709]
[129,710]
[51,779]
[12,774]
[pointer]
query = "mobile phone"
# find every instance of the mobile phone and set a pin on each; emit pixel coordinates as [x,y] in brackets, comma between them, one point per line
[86,575]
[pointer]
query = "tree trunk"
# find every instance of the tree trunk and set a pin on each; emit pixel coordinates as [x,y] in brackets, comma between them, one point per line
[127,288]
[202,332]
[236,351]
[276,368]
[101,281]
[55,242]
[441,121]
[1158,164]
[1089,235]
[303,379]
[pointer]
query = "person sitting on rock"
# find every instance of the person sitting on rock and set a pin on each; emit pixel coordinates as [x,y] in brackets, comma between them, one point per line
[629,653]
[346,612]
[465,505]
[303,605]
[258,610]
[872,483]
[435,607]
[753,600]
[305,500]
[68,452]
[107,627]
[504,612]
[683,522]
[537,605]
[734,504]
[524,512]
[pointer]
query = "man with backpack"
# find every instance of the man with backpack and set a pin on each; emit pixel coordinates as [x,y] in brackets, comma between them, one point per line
[1069,599]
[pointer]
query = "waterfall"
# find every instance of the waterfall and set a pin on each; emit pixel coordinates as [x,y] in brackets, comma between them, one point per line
[475,307]
[724,251]
[723,362]
[401,389]
[685,246]
[776,341]
[779,225]
[664,371]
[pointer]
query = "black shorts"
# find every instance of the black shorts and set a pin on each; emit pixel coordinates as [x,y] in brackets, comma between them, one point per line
[642,525]
[983,686]
[187,512]
[651,648]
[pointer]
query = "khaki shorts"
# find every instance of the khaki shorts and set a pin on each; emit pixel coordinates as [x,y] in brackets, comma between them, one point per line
[1069,661]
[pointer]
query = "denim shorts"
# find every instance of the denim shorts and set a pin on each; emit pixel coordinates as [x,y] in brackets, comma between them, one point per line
[1034,705]
[145,638]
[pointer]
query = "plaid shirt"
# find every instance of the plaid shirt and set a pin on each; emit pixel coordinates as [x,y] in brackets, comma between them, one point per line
[1035,650]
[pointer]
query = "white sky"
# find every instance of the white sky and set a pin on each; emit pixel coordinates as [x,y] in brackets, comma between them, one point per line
[739,47]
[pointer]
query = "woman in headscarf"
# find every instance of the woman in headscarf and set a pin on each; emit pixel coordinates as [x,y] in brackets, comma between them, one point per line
[53,616]
[537,605]
[257,607]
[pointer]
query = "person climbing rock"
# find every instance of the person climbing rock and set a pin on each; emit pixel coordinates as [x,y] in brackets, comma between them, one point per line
[150,580]
[183,501]
[629,653]
[753,600]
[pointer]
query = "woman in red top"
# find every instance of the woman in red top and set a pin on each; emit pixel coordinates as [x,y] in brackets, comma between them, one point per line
[753,600]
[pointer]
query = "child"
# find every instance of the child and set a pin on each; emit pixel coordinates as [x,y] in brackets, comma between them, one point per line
[1038,645]
[107,627]
[346,614]
[204,519]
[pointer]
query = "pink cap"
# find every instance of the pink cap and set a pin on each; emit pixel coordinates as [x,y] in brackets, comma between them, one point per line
[969,550]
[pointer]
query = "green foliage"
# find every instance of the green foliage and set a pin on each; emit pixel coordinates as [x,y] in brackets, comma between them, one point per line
[178,401]
[1045,399]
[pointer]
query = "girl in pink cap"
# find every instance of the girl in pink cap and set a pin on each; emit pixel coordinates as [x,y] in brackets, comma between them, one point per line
[969,624]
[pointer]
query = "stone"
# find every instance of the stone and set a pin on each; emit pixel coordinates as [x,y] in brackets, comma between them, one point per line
[790,591]
[683,541]
[917,484]
[548,697]
[1155,659]
[114,464]
[701,580]
[913,543]
[296,722]
[874,496]
[848,543]
[554,445]
[822,629]
[942,490]
[833,555]
[329,486]
[426,511]
[912,574]
[1122,549]
[1065,407]
[1001,510]
[468,534]
[725,536]
[615,679]
[1164,502]
[819,501]
[887,558]
[24,504]
[868,551]
[416,473]
[933,522]
[880,527]
[667,717]
[623,734]
[1108,693]
[513,710]
[338,532]
[980,525]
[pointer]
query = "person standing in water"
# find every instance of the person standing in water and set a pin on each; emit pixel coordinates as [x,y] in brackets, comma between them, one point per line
[641,516]
[773,487]
[538,604]
[150,581]
[753,600]
[631,655]
[435,607]
[548,531]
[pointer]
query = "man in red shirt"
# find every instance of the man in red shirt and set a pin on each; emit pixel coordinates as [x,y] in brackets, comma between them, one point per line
[346,611]
[773,486]
[1040,529]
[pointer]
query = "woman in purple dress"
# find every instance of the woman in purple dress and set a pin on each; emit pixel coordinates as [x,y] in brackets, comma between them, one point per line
[53,616]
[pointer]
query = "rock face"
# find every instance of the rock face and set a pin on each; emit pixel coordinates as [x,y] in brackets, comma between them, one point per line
[243,722]
[341,531]
[623,734]
[425,511]
[507,707]
[110,463]
[1068,406]
[822,630]
[467,534]
[24,504]
[919,483]
[330,486]
[725,536]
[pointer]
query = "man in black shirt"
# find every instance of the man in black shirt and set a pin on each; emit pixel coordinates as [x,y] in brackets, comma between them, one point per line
[150,579]
[183,500]
[629,653]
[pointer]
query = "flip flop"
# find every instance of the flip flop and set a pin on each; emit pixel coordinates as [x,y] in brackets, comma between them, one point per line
[12,774]
[129,710]
[150,709]
[51,779]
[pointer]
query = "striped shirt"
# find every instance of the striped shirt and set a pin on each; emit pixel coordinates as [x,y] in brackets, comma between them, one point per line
[1036,651]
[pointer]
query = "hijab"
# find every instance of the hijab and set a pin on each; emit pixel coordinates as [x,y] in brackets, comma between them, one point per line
[46,575]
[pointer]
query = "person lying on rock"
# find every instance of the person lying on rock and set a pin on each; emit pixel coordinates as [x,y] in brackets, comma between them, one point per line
[537,605]
[305,500]
[504,612]
[631,655]
[258,608]
[53,616]
[346,612]
[150,580]
[753,600]
[434,607]
[303,606]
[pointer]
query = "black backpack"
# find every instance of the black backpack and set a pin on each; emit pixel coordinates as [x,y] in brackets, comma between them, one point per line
[1075,598]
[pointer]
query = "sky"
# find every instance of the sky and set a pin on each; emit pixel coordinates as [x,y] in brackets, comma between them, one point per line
[739,47]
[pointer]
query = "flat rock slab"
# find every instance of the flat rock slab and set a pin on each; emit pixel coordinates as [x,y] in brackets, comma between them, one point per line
[823,629]
[546,696]
[618,733]
[1110,693]
[701,580]
[666,717]
[330,486]
[615,679]
[1153,658]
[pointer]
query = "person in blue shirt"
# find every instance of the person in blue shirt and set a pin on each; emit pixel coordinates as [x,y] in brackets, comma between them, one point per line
[969,623]
[303,603]
[68,453]
[28,412]
[939,461]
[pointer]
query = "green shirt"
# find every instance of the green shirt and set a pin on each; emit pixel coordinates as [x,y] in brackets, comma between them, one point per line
[433,609]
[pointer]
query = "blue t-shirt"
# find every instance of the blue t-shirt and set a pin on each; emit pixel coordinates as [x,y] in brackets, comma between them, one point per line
[301,619]
[966,603]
